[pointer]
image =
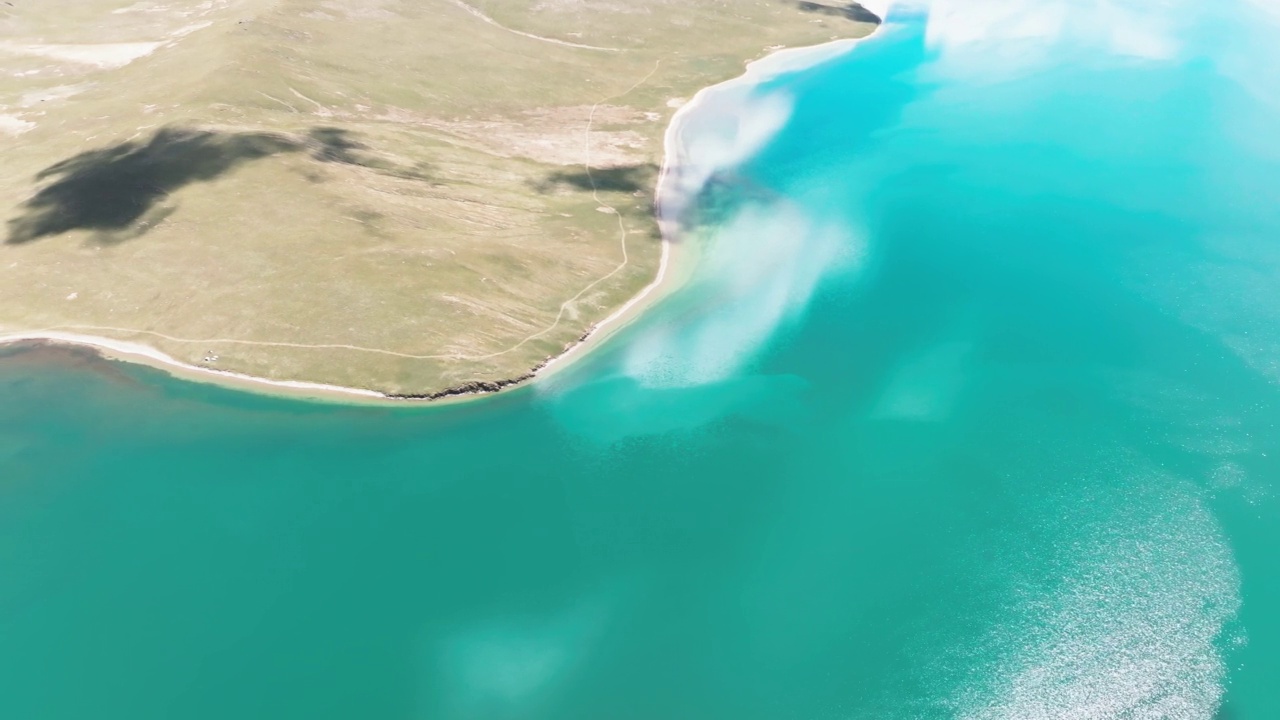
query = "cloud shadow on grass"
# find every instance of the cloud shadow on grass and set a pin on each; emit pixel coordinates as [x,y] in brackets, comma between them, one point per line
[619,179]
[337,145]
[111,190]
[119,191]
[638,181]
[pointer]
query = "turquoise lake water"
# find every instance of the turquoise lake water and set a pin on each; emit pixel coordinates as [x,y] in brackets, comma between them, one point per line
[970,411]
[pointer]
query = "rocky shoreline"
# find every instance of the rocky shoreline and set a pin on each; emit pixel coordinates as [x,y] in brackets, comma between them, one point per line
[488,387]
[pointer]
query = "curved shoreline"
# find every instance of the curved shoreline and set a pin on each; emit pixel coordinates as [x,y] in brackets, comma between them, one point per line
[757,71]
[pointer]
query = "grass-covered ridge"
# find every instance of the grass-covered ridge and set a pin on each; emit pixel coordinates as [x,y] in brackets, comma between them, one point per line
[400,195]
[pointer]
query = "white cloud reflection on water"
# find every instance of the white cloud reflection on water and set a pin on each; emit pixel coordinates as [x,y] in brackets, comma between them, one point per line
[1137,623]
[758,271]
[762,265]
[987,40]
[501,666]
[1134,623]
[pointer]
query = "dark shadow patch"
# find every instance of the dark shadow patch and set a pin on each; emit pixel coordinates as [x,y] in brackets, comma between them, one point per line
[120,191]
[117,190]
[335,145]
[849,11]
[621,179]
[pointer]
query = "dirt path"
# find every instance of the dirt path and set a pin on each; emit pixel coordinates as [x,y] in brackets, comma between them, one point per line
[476,13]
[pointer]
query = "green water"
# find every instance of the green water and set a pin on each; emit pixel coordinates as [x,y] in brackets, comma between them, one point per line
[970,411]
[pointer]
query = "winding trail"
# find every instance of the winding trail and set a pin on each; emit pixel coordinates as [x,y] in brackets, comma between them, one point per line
[595,194]
[476,13]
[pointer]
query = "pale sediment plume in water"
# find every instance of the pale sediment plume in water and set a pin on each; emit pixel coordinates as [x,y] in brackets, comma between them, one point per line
[724,126]
[1131,618]
[758,270]
[497,666]
[759,266]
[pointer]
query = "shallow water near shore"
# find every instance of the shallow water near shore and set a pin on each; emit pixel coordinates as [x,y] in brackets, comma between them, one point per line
[969,411]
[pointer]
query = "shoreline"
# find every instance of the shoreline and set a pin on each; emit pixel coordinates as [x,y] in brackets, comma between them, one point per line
[667,207]
[758,71]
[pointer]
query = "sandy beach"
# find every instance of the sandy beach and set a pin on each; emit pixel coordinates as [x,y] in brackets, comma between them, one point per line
[680,177]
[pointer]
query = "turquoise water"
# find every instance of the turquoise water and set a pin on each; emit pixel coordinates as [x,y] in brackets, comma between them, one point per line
[970,411]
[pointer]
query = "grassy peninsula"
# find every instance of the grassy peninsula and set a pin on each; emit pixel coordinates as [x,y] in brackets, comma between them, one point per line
[403,196]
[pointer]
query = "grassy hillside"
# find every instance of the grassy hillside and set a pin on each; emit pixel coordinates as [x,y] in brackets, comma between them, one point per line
[387,194]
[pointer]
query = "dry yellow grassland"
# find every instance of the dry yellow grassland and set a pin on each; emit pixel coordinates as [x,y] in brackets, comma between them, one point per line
[397,195]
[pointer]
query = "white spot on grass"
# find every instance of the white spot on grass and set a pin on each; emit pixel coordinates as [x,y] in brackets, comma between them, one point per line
[14,125]
[140,7]
[105,56]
